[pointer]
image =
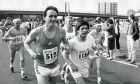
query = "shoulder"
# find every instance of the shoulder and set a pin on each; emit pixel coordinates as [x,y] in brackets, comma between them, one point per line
[73,41]
[62,30]
[92,32]
[36,31]
[135,23]
[90,38]
[11,29]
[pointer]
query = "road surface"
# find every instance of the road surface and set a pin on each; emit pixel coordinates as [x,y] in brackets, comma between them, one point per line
[112,72]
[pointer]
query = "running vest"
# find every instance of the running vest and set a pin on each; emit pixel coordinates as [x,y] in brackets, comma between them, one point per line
[97,37]
[20,35]
[70,35]
[80,51]
[48,48]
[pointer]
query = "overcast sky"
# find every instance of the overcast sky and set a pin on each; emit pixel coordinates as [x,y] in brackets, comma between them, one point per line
[75,5]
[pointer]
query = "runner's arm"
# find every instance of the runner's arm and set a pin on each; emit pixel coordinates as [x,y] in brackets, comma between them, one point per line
[29,39]
[66,47]
[7,36]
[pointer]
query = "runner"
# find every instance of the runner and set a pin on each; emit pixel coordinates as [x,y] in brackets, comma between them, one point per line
[80,49]
[98,35]
[47,39]
[70,33]
[16,36]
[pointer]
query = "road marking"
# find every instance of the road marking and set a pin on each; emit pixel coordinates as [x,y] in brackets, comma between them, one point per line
[126,63]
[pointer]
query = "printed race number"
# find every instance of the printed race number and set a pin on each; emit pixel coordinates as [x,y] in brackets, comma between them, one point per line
[20,39]
[82,55]
[50,55]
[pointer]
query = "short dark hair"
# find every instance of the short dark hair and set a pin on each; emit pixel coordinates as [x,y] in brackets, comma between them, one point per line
[50,8]
[117,20]
[132,16]
[110,21]
[81,23]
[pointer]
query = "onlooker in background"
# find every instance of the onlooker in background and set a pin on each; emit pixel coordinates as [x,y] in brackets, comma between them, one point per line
[111,37]
[117,32]
[132,36]
[2,28]
[8,23]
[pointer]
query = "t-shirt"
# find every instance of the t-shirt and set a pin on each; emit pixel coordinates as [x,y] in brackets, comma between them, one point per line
[80,51]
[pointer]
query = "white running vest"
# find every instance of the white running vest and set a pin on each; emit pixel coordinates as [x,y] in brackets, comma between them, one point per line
[80,51]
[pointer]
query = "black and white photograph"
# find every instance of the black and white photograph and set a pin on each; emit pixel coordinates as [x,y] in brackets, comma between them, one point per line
[69,42]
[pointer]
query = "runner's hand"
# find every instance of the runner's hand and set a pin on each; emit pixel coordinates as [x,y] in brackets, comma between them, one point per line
[34,56]
[14,38]
[74,68]
[67,49]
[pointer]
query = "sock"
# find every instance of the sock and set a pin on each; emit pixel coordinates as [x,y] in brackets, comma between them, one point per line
[22,71]
[11,65]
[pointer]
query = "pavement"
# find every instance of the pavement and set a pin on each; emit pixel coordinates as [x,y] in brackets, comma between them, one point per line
[115,71]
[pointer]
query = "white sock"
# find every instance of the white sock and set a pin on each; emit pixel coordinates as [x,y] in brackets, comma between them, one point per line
[22,71]
[11,65]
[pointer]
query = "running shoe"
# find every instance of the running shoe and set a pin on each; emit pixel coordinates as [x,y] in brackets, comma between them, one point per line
[132,62]
[62,74]
[12,69]
[128,60]
[23,76]
[99,80]
[66,78]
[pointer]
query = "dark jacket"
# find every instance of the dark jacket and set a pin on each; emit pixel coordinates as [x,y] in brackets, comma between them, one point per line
[135,32]
[111,30]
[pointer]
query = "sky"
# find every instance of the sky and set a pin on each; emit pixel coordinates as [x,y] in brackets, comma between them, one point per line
[90,6]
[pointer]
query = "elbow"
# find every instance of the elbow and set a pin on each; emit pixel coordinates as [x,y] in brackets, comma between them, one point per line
[4,38]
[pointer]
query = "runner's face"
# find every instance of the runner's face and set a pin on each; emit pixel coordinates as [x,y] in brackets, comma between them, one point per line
[83,31]
[17,24]
[69,22]
[51,17]
[98,29]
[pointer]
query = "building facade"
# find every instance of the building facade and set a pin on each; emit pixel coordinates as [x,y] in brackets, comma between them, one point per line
[107,8]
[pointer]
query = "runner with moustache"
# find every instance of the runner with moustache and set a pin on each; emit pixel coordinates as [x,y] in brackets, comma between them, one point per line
[99,37]
[16,36]
[70,33]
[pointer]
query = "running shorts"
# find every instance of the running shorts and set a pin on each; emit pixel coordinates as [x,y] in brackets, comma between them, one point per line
[43,71]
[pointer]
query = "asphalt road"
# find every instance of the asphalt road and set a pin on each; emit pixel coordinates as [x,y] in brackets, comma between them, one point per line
[112,72]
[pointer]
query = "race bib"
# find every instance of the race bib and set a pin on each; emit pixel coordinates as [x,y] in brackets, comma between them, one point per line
[20,39]
[97,41]
[83,55]
[69,37]
[50,55]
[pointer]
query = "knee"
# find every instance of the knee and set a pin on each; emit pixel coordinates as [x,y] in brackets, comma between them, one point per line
[98,68]
[21,60]
[11,59]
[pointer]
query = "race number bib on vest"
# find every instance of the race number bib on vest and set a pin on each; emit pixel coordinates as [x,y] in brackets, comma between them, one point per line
[20,39]
[83,55]
[50,55]
[69,38]
[97,41]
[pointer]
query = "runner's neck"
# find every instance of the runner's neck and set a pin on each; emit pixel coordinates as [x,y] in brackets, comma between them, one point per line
[49,28]
[81,38]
